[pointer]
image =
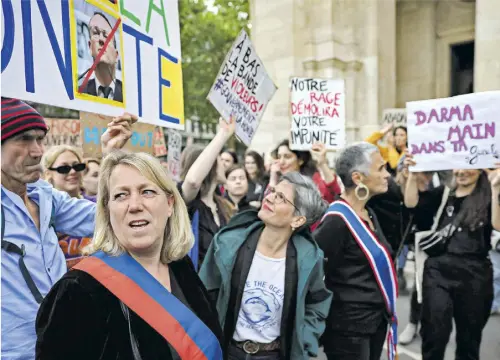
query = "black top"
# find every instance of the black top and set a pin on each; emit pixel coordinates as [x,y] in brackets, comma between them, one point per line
[391,212]
[255,190]
[81,319]
[464,241]
[207,225]
[358,305]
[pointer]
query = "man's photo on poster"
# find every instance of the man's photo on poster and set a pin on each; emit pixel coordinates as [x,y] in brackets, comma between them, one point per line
[99,71]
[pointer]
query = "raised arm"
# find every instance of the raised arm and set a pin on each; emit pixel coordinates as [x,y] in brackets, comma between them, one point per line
[201,167]
[494,176]
[411,191]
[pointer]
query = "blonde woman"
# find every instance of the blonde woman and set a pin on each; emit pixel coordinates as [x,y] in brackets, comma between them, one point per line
[137,296]
[64,168]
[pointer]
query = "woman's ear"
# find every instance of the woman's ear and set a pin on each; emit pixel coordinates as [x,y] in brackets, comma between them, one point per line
[298,221]
[47,176]
[356,178]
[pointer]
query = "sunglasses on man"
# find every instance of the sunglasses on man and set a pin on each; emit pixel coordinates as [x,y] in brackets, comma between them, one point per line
[65,169]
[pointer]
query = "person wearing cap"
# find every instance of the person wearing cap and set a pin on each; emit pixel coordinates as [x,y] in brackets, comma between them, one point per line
[32,210]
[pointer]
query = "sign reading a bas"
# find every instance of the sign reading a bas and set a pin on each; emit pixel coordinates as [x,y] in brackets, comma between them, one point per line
[396,117]
[63,132]
[242,88]
[103,56]
[460,132]
[94,125]
[318,113]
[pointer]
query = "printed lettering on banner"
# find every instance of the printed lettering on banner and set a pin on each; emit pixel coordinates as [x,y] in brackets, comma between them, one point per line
[317,109]
[174,154]
[101,56]
[62,132]
[92,126]
[460,132]
[242,88]
[396,117]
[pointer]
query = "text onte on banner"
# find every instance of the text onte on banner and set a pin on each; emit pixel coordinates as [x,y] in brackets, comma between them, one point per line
[101,56]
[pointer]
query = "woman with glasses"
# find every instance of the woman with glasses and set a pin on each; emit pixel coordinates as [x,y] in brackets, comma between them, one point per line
[64,168]
[265,273]
[359,262]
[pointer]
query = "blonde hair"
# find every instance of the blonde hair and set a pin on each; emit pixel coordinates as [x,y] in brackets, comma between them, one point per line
[51,155]
[178,238]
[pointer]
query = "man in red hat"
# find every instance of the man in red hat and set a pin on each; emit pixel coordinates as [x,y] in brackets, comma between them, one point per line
[32,209]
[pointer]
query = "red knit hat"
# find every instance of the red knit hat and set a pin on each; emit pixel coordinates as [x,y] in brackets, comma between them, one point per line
[18,117]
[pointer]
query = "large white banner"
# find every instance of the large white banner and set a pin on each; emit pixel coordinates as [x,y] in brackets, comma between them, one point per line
[242,88]
[100,56]
[460,132]
[317,110]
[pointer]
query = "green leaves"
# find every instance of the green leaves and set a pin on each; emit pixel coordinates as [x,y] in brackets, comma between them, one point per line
[207,32]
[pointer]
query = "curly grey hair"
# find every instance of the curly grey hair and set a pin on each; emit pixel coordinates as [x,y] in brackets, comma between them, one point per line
[307,198]
[354,158]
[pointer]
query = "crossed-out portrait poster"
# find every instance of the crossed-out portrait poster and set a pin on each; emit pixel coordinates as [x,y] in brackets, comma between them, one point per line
[100,56]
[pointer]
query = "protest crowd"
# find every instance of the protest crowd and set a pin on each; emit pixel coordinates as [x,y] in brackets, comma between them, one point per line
[112,252]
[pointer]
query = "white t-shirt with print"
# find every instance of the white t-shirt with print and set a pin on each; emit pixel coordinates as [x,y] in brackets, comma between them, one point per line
[259,318]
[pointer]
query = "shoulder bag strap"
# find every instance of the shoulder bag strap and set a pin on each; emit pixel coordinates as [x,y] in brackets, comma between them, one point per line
[444,201]
[133,341]
[13,248]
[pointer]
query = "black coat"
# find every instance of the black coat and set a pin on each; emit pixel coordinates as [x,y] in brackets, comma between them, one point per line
[81,319]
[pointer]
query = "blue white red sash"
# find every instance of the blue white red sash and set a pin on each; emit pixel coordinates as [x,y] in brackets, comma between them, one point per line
[380,262]
[144,295]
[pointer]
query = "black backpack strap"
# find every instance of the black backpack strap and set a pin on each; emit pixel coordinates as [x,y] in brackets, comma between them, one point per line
[13,248]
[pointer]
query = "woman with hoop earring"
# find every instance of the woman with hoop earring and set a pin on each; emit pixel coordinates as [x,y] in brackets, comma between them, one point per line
[359,267]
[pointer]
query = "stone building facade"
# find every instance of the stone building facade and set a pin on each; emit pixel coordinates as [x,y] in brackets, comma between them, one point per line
[387,51]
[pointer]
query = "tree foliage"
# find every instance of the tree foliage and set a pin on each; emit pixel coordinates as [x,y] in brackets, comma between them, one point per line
[208,28]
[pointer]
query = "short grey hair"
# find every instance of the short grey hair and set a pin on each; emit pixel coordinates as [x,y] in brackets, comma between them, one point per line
[354,158]
[307,198]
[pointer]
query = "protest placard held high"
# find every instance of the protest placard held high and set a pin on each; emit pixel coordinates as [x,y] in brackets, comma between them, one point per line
[460,132]
[317,112]
[242,88]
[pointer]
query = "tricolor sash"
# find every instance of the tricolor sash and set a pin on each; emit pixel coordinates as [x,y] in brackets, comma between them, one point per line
[380,262]
[143,294]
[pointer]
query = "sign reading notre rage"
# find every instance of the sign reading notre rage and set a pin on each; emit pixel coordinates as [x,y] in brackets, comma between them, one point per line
[242,88]
[102,56]
[460,132]
[318,113]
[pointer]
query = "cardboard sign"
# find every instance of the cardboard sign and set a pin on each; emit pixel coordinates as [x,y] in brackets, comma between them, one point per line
[242,88]
[159,146]
[397,117]
[317,110]
[101,56]
[461,132]
[174,154]
[63,132]
[94,125]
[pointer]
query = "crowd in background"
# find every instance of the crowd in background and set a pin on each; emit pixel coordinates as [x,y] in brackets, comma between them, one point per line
[253,220]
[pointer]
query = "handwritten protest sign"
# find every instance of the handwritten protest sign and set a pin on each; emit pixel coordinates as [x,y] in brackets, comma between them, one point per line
[174,154]
[94,125]
[101,56]
[396,117]
[460,132]
[62,132]
[159,146]
[242,88]
[318,113]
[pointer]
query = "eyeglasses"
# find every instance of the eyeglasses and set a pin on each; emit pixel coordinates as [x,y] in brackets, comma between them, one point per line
[279,197]
[65,169]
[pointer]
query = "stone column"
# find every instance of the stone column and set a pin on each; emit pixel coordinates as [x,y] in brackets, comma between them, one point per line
[487,46]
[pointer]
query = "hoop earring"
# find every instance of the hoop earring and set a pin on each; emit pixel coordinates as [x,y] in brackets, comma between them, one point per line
[361,187]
